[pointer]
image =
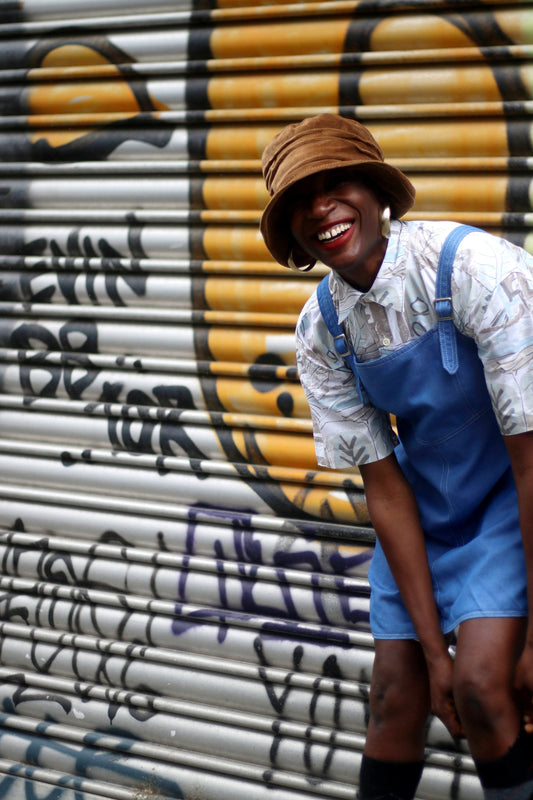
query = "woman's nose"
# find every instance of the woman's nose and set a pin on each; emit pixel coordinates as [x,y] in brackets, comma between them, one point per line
[320,203]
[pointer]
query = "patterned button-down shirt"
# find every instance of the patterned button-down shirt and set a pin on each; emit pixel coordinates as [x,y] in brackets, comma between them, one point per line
[492,293]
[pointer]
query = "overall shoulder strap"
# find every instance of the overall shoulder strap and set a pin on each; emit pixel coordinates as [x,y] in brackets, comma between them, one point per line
[341,343]
[443,298]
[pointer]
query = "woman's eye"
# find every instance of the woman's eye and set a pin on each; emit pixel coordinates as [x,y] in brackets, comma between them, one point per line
[297,199]
[336,184]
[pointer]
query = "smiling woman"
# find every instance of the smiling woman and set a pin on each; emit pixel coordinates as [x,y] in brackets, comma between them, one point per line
[339,148]
[336,219]
[331,203]
[419,319]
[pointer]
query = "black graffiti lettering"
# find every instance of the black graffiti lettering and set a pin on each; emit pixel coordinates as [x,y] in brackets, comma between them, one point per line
[168,434]
[32,335]
[44,295]
[25,694]
[57,567]
[111,392]
[79,336]
[175,396]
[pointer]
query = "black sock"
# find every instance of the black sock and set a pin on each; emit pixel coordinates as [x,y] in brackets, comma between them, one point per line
[388,780]
[512,769]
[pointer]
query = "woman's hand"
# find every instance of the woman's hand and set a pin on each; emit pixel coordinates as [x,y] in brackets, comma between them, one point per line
[440,674]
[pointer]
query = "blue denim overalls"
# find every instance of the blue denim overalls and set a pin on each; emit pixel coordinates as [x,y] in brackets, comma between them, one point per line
[453,454]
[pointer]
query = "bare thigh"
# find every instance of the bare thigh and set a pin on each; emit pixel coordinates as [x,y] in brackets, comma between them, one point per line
[399,701]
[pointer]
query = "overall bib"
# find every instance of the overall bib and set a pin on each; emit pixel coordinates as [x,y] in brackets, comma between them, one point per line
[453,455]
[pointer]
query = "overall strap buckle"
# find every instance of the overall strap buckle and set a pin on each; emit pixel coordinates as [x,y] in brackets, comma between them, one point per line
[443,308]
[443,303]
[340,341]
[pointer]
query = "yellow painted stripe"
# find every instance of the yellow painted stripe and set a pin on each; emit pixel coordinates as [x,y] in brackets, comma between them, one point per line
[229,165]
[424,31]
[234,141]
[332,506]
[242,192]
[249,294]
[238,397]
[82,97]
[246,345]
[473,193]
[230,243]
[394,31]
[297,452]
[457,84]
[273,91]
[267,267]
[233,370]
[468,137]
[486,164]
[402,137]
[295,37]
[79,54]
[235,217]
[296,475]
[244,318]
[430,84]
[236,11]
[256,422]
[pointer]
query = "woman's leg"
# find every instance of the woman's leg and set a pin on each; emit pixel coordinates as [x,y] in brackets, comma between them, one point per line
[487,653]
[399,708]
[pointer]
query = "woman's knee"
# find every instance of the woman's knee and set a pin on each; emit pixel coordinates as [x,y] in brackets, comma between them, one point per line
[475,695]
[483,694]
[399,693]
[391,706]
[483,673]
[399,703]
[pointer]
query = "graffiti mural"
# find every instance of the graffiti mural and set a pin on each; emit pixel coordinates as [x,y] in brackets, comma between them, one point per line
[184,604]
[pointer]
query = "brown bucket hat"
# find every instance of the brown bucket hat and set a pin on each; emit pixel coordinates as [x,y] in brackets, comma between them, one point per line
[320,143]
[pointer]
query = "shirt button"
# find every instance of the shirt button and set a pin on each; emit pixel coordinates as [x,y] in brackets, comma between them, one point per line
[386,341]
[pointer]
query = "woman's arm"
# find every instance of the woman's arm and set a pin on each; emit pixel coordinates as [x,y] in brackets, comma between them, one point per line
[394,514]
[520,449]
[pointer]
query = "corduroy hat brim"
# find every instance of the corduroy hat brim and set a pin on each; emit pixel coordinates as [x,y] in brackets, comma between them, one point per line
[324,142]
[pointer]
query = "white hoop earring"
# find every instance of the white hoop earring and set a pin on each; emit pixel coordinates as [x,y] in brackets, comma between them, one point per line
[385,222]
[295,268]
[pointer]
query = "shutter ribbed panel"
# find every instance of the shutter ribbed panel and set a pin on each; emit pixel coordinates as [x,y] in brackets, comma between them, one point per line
[184,606]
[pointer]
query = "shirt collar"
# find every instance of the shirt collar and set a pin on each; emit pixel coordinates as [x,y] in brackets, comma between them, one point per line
[387,289]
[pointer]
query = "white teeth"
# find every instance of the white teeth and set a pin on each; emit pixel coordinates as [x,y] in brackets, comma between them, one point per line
[333,232]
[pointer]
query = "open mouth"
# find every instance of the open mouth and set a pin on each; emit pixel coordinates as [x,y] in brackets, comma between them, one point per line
[334,233]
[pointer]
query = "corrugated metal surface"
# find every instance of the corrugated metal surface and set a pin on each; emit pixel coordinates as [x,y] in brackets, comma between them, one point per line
[184,607]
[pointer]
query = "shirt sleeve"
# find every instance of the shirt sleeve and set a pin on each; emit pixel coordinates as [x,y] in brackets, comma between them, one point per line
[494,282]
[346,431]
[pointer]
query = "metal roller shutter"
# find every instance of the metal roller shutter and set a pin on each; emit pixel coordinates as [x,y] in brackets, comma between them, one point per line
[184,606]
